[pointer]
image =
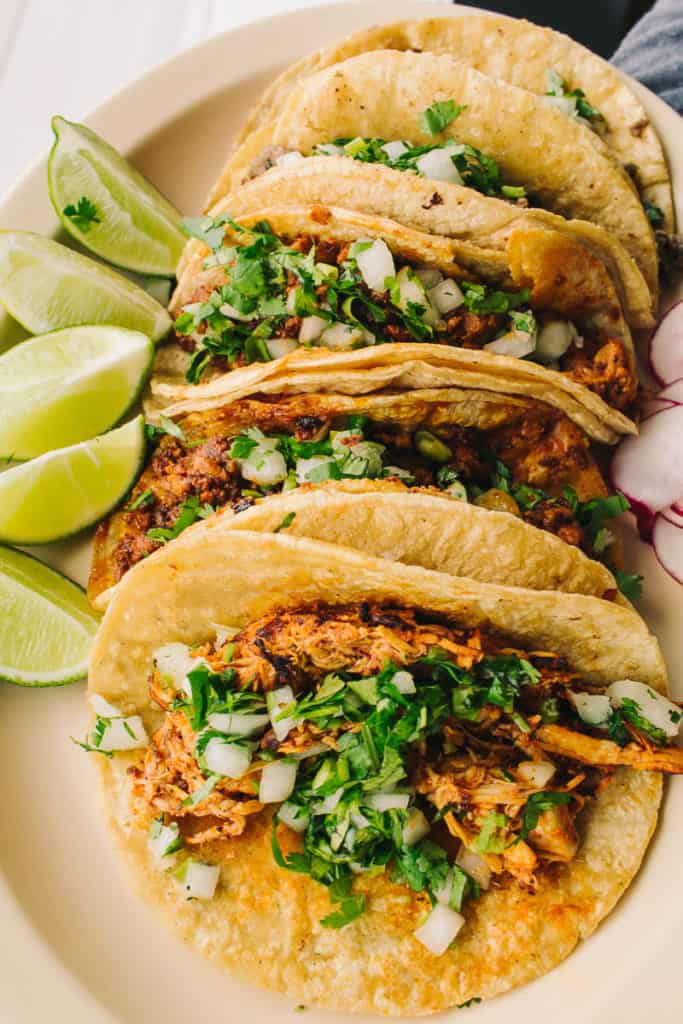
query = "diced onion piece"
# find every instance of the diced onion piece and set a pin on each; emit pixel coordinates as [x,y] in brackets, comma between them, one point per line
[475,866]
[438,166]
[592,708]
[388,801]
[199,880]
[653,706]
[289,158]
[161,838]
[279,347]
[329,149]
[238,725]
[443,895]
[294,817]
[416,827]
[514,343]
[103,708]
[311,328]
[342,336]
[277,782]
[456,490]
[234,314]
[439,930]
[395,149]
[277,701]
[428,276]
[328,803]
[264,466]
[567,104]
[124,734]
[535,773]
[174,662]
[305,466]
[223,633]
[376,264]
[227,759]
[403,681]
[446,296]
[554,338]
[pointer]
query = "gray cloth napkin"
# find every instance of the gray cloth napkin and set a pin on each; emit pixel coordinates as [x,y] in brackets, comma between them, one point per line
[652,52]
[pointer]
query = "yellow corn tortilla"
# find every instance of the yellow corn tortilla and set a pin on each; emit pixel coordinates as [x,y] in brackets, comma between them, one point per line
[561,274]
[515,51]
[382,94]
[264,923]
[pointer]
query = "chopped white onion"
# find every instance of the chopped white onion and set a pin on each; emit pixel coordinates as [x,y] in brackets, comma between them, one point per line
[388,801]
[305,466]
[475,866]
[438,166]
[329,149]
[376,264]
[554,338]
[653,706]
[311,328]
[415,828]
[223,633]
[174,662]
[279,347]
[277,701]
[514,343]
[535,773]
[124,734]
[227,310]
[446,296]
[264,466]
[238,725]
[277,782]
[443,895]
[227,759]
[592,708]
[428,276]
[342,336]
[403,681]
[567,104]
[103,708]
[289,158]
[328,803]
[199,880]
[440,929]
[395,149]
[294,817]
[161,838]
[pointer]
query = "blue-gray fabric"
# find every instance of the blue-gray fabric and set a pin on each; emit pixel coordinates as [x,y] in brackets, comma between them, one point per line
[652,52]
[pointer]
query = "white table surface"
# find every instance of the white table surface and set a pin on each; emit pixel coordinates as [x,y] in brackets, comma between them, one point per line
[67,56]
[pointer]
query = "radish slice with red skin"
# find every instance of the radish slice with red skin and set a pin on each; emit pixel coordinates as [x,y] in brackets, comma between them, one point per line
[655,405]
[666,346]
[678,507]
[673,392]
[648,469]
[667,540]
[673,516]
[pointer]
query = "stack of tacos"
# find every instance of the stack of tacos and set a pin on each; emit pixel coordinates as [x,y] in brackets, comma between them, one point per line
[383,729]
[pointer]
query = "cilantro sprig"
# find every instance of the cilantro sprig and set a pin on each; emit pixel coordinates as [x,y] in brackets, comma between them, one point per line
[83,214]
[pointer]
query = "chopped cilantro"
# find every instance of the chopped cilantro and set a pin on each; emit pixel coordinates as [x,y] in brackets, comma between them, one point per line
[492,837]
[190,511]
[654,214]
[286,522]
[534,807]
[582,108]
[479,299]
[142,500]
[437,118]
[84,214]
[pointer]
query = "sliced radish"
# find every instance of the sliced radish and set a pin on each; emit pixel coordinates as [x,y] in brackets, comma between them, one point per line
[667,540]
[648,469]
[673,392]
[673,516]
[666,346]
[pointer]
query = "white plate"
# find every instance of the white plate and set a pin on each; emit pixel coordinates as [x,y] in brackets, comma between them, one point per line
[77,946]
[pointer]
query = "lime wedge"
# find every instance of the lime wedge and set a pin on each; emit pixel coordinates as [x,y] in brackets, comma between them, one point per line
[46,286]
[65,387]
[113,210]
[62,492]
[46,626]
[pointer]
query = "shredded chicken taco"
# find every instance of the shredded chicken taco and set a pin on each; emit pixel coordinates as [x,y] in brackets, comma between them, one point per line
[424,114]
[371,786]
[286,279]
[472,453]
[577,82]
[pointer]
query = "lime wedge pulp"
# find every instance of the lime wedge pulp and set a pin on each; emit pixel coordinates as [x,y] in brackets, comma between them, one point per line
[124,219]
[46,286]
[60,493]
[46,626]
[65,387]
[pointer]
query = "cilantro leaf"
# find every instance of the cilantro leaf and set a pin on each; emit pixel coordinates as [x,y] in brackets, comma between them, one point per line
[534,807]
[654,214]
[83,215]
[436,118]
[286,522]
[630,584]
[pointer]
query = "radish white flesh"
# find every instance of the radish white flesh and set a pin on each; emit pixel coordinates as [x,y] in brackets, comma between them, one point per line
[475,866]
[653,706]
[277,782]
[673,392]
[439,930]
[666,346]
[648,468]
[667,540]
[673,516]
[226,758]
[198,880]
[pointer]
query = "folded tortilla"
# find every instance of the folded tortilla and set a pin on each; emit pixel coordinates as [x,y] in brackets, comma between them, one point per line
[264,923]
[514,51]
[563,276]
[562,164]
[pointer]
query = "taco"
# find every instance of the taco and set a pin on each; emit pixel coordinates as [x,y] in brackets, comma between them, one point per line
[580,84]
[333,280]
[370,786]
[473,453]
[443,119]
